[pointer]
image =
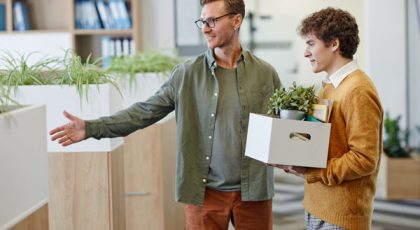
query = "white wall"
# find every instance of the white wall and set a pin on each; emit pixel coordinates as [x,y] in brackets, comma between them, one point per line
[414,72]
[158,24]
[287,15]
[386,53]
[281,28]
[36,45]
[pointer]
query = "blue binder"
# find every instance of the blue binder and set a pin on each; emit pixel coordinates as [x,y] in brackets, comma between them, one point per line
[120,14]
[20,16]
[105,15]
[2,17]
[86,15]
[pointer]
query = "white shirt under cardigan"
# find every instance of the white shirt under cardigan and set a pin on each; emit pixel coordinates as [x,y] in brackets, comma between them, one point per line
[338,76]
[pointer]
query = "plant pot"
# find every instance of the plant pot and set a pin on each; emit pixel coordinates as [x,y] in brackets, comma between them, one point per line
[292,114]
[103,100]
[144,86]
[399,178]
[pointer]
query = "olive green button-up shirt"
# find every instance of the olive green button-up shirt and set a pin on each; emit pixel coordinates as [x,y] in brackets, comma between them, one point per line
[192,91]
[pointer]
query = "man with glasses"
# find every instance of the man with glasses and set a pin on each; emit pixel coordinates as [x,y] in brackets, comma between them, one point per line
[212,96]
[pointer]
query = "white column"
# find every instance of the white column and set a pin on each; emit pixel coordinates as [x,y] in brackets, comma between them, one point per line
[386,53]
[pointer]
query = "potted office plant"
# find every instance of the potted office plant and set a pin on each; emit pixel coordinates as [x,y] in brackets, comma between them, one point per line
[399,176]
[418,146]
[292,103]
[18,72]
[392,140]
[64,83]
[67,70]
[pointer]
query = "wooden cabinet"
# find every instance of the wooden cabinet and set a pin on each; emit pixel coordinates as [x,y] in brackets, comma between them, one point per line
[58,16]
[150,159]
[131,187]
[86,190]
[37,220]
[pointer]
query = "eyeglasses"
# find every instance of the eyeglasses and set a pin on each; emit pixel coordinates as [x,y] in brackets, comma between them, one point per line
[210,22]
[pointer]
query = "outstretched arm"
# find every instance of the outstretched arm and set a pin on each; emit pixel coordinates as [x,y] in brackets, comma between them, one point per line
[70,133]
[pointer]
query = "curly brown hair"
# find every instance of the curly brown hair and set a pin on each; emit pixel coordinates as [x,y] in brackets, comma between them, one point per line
[331,23]
[232,6]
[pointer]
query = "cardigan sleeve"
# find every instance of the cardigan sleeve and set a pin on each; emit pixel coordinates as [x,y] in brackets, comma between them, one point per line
[362,113]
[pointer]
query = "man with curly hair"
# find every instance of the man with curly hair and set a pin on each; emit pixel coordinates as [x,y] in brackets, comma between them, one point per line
[341,195]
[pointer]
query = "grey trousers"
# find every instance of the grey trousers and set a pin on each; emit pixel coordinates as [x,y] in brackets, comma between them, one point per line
[314,223]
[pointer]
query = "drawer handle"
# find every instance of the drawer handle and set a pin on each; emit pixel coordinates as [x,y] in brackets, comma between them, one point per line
[137,193]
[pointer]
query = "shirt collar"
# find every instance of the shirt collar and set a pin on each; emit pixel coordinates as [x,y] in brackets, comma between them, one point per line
[211,61]
[338,76]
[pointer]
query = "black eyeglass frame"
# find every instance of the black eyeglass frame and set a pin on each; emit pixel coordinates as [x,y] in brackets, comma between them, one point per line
[210,22]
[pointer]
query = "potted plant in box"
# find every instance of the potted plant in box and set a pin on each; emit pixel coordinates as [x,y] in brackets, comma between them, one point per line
[293,103]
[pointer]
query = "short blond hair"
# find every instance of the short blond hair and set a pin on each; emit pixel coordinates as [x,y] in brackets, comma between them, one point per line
[232,6]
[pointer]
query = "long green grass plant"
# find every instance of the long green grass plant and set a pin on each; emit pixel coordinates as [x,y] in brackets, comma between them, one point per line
[17,71]
[146,62]
[83,74]
[125,67]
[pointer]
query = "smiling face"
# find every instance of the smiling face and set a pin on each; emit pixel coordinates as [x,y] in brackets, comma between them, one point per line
[321,55]
[226,28]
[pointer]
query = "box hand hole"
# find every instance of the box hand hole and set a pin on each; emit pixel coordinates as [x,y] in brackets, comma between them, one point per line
[300,136]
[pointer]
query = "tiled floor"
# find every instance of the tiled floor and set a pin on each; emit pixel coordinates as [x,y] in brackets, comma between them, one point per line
[289,213]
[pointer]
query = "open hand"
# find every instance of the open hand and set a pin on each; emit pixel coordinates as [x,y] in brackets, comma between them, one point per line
[70,133]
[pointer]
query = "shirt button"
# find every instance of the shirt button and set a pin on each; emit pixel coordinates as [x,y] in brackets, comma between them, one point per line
[210,137]
[215,94]
[207,158]
[204,180]
[212,114]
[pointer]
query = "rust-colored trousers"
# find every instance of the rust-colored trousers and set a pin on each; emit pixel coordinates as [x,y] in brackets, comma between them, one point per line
[221,207]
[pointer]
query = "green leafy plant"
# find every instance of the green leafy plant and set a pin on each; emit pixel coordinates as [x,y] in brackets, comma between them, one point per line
[295,98]
[143,63]
[392,142]
[82,74]
[67,70]
[17,71]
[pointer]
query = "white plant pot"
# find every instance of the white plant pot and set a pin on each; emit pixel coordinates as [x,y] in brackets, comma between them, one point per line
[23,163]
[292,114]
[103,100]
[144,86]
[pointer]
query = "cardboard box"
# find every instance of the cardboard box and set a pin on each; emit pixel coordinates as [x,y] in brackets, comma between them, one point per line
[280,141]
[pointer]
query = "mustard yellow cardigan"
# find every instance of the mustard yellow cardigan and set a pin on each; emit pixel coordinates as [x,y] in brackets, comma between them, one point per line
[343,193]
